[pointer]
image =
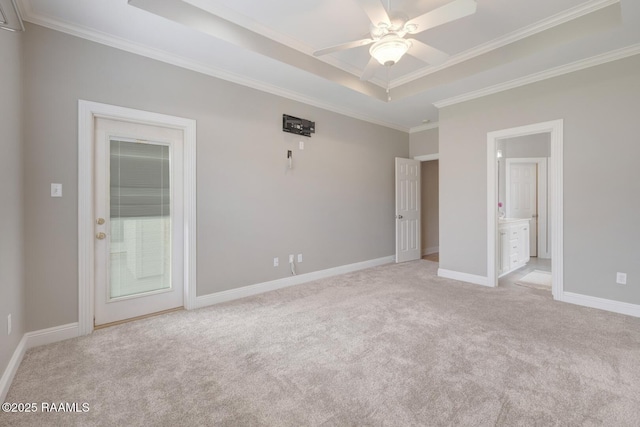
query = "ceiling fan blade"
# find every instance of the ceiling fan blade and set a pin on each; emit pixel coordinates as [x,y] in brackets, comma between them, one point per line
[369,69]
[426,53]
[375,11]
[449,12]
[343,46]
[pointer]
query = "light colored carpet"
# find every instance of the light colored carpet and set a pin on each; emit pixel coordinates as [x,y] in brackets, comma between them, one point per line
[393,345]
[536,279]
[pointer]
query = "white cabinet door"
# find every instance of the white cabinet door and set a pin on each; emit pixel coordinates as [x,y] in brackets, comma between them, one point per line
[524,254]
[513,251]
[522,181]
[504,251]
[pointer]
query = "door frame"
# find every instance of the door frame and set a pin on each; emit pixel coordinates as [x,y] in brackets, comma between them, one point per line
[427,158]
[556,129]
[87,112]
[541,199]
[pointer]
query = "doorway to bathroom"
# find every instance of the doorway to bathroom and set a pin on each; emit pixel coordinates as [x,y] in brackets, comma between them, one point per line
[511,211]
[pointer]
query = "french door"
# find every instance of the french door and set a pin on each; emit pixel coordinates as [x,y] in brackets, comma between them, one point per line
[139,224]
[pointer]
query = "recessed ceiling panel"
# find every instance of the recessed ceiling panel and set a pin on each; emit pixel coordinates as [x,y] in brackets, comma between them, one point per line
[501,42]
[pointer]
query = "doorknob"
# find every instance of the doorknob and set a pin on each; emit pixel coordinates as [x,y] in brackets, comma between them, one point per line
[399,216]
[101,236]
[100,221]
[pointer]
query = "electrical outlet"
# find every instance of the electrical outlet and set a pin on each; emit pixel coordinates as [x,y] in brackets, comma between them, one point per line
[290,258]
[9,325]
[299,257]
[276,262]
[301,145]
[621,278]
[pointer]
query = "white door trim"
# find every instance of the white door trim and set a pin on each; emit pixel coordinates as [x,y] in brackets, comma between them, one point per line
[87,111]
[555,128]
[541,200]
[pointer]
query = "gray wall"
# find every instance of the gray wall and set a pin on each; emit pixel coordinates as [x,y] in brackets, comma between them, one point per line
[601,178]
[522,147]
[11,172]
[423,143]
[430,206]
[336,206]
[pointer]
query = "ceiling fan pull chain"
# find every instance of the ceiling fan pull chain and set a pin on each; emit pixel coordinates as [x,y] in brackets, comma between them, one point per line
[388,84]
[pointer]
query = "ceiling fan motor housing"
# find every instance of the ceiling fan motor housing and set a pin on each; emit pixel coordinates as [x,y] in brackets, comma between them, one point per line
[397,25]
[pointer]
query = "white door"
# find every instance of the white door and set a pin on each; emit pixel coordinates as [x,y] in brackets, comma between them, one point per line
[408,246]
[138,203]
[522,184]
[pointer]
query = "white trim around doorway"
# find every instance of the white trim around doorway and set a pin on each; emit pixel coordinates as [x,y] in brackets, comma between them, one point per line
[87,112]
[555,224]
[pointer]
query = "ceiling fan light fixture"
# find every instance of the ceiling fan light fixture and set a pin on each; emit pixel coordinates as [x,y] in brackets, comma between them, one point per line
[388,52]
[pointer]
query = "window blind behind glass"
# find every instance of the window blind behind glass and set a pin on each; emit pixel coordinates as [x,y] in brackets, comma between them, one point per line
[140,180]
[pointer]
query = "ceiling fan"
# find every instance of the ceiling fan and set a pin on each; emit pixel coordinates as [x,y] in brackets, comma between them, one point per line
[388,33]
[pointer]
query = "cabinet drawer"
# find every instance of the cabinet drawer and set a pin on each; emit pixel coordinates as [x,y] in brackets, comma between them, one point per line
[513,258]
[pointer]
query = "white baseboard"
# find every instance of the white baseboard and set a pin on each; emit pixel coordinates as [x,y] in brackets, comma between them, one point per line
[431,250]
[30,340]
[246,291]
[51,335]
[601,303]
[464,277]
[12,368]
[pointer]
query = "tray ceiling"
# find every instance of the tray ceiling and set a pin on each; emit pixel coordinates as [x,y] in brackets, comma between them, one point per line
[269,45]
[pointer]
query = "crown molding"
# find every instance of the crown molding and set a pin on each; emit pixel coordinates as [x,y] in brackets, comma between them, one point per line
[426,126]
[604,58]
[528,31]
[173,59]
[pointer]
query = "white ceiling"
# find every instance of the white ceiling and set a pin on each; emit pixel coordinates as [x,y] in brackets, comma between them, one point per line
[269,44]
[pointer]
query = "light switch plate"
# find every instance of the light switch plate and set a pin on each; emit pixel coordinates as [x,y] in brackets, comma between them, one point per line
[56,190]
[301,145]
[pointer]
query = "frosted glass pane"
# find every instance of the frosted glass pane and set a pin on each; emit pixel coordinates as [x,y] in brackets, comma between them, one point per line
[140,218]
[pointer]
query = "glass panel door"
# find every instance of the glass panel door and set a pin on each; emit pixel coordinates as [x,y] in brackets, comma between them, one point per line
[138,205]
